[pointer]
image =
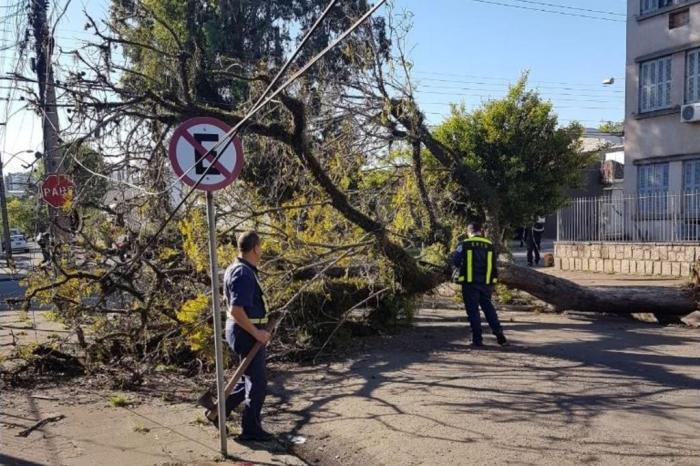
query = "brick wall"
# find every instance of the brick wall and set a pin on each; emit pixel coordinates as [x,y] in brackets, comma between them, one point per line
[664,259]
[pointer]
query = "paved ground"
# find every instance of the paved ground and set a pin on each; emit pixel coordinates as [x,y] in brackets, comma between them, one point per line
[571,390]
[10,276]
[93,432]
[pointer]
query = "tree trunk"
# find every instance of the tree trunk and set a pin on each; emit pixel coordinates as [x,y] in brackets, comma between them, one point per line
[566,295]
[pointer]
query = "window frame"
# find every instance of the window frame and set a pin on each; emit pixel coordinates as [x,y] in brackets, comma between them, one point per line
[654,5]
[652,200]
[692,97]
[654,168]
[649,91]
[691,191]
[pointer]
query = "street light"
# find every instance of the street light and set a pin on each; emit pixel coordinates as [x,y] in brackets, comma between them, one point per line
[3,208]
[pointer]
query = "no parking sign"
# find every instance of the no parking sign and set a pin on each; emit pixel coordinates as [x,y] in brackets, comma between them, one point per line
[201,158]
[189,145]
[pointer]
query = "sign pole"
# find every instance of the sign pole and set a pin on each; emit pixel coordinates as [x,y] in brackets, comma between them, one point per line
[218,339]
[204,169]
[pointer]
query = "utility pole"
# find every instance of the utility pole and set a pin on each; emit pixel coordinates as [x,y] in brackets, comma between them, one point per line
[5,219]
[47,98]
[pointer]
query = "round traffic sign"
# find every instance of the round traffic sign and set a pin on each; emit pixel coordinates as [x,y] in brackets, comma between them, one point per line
[188,154]
[56,190]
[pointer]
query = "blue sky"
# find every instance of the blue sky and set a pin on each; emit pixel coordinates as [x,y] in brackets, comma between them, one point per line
[478,48]
[463,51]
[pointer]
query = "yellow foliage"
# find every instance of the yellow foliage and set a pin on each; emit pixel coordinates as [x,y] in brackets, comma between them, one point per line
[226,254]
[198,333]
[68,202]
[406,196]
[168,253]
[194,239]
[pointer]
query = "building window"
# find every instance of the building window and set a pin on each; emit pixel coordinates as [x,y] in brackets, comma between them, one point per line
[678,19]
[691,186]
[652,187]
[649,6]
[692,76]
[655,84]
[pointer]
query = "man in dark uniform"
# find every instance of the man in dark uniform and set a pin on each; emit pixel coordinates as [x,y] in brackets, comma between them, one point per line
[533,238]
[247,317]
[476,260]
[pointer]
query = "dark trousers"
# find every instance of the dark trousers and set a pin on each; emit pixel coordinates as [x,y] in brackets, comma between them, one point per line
[252,388]
[534,243]
[475,296]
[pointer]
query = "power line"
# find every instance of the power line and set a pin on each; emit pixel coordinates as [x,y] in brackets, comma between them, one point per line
[509,80]
[568,7]
[572,91]
[544,10]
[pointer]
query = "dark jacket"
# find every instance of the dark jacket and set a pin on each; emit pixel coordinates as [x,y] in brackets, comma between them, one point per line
[476,260]
[242,289]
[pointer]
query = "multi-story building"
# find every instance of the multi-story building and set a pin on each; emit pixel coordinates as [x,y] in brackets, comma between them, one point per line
[662,138]
[17,183]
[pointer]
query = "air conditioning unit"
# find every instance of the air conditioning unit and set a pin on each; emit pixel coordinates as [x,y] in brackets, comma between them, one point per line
[690,113]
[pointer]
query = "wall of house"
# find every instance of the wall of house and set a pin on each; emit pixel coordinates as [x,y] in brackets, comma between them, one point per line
[660,134]
[662,259]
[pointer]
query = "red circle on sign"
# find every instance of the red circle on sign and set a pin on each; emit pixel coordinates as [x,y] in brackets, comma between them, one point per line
[55,190]
[180,172]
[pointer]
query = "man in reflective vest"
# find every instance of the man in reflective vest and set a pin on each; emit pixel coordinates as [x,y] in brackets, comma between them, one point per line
[476,260]
[245,324]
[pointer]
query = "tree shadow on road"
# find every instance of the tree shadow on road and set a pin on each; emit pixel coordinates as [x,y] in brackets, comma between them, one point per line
[556,374]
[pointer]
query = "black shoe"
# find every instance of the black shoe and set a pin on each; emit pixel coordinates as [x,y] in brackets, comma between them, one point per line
[477,344]
[261,436]
[501,339]
[529,264]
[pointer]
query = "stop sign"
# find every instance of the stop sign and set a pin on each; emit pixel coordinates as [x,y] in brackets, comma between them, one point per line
[57,189]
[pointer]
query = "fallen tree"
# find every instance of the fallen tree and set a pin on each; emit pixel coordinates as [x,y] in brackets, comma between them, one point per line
[566,295]
[342,166]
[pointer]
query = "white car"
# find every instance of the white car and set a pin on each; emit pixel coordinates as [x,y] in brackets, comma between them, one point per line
[17,243]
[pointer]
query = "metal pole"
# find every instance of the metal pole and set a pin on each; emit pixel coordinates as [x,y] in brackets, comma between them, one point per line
[44,44]
[5,219]
[218,339]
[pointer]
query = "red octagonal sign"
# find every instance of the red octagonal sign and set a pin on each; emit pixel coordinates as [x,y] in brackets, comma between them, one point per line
[57,190]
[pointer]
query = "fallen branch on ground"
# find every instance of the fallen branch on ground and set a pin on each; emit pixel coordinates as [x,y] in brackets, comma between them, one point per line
[40,424]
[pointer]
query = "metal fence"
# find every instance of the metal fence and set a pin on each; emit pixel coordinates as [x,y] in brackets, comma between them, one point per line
[666,217]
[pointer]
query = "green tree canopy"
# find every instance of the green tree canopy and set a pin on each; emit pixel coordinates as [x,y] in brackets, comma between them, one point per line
[517,146]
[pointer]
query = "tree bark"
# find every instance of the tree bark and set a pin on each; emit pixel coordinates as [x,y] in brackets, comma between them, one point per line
[567,295]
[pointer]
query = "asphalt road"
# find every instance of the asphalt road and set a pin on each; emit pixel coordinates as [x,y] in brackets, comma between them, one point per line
[9,284]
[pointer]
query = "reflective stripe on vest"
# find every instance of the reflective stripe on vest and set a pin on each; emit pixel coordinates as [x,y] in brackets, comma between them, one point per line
[478,239]
[489,266]
[258,321]
[470,266]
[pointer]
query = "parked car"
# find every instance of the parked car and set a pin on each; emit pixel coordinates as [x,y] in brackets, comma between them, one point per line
[17,243]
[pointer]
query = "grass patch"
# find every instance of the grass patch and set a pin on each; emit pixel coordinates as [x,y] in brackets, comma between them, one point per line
[504,295]
[200,421]
[119,401]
